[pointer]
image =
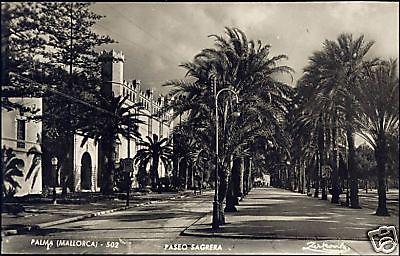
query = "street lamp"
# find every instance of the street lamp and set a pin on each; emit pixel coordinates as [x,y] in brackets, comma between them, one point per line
[216,204]
[54,162]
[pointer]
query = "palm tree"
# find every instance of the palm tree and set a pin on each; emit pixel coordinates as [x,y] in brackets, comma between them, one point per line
[35,165]
[249,69]
[12,167]
[378,117]
[306,125]
[197,159]
[115,120]
[334,73]
[154,150]
[188,145]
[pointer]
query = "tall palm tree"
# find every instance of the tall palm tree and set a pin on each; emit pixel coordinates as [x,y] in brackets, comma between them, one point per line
[378,117]
[248,68]
[115,120]
[334,71]
[154,150]
[307,126]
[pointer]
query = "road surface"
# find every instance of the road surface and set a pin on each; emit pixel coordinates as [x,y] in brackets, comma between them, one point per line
[156,228]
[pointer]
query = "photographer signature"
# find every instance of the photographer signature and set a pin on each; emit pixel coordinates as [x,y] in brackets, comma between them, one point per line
[326,247]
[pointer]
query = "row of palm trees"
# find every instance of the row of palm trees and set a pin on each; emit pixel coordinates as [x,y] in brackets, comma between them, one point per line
[343,93]
[246,67]
[304,133]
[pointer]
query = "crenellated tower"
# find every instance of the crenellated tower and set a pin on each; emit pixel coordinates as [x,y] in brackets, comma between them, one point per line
[112,72]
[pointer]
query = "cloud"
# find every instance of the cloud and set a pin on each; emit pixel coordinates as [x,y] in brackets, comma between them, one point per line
[157,37]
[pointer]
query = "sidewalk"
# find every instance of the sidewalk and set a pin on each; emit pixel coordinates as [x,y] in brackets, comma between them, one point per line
[270,213]
[41,215]
[370,200]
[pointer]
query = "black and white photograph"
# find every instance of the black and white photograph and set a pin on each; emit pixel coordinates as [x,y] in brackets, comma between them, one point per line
[180,128]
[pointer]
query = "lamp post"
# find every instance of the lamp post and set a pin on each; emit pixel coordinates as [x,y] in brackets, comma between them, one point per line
[54,162]
[216,204]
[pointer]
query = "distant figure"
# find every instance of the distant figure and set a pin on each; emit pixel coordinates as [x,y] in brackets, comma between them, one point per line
[197,185]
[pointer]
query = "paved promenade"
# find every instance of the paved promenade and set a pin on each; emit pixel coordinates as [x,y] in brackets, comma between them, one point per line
[40,215]
[269,221]
[271,213]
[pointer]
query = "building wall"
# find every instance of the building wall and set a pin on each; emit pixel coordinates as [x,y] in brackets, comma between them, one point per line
[114,65]
[90,148]
[33,131]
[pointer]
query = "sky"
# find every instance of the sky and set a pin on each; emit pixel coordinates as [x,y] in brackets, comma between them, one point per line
[156,37]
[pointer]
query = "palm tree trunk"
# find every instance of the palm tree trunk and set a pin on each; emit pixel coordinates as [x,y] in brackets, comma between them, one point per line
[155,176]
[66,171]
[250,177]
[246,177]
[241,178]
[321,150]
[381,156]
[308,184]
[231,198]
[335,170]
[354,203]
[237,179]
[108,172]
[300,187]
[316,179]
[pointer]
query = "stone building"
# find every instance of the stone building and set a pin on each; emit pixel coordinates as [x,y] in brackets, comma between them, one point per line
[114,83]
[84,162]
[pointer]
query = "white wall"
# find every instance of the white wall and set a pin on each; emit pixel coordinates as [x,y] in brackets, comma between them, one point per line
[9,140]
[92,148]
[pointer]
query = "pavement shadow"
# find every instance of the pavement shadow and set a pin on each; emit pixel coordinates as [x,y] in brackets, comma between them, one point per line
[282,214]
[296,229]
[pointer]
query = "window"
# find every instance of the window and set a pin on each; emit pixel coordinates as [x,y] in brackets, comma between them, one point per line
[21,133]
[150,127]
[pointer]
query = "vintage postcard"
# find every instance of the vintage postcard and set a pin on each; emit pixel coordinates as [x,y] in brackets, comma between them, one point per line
[200,128]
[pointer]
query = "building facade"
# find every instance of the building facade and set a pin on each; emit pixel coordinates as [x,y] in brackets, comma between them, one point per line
[85,162]
[114,83]
[21,135]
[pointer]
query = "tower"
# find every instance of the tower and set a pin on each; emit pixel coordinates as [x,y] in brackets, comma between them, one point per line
[112,72]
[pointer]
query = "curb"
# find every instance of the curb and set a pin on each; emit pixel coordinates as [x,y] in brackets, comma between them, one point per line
[62,221]
[188,232]
[266,237]
[37,227]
